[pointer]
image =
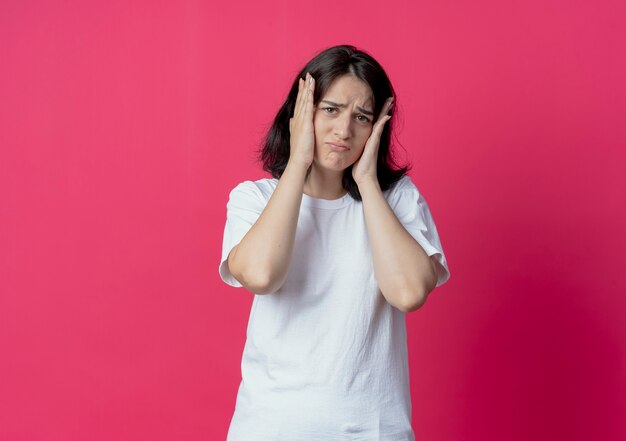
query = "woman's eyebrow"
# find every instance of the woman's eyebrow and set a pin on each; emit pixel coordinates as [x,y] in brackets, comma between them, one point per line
[360,109]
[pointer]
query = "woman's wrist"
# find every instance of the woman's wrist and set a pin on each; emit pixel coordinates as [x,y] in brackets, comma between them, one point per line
[296,168]
[368,185]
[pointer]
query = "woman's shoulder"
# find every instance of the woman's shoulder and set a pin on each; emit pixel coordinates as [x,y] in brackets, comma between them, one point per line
[404,184]
[262,188]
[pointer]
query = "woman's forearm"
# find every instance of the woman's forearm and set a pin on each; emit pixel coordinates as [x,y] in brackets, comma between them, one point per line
[261,260]
[403,270]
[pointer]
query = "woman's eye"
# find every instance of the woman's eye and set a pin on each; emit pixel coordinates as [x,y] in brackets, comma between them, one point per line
[329,109]
[362,118]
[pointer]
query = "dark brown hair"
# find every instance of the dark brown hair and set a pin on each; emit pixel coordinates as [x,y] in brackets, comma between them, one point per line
[326,67]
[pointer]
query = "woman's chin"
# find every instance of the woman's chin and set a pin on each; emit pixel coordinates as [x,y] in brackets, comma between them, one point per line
[338,166]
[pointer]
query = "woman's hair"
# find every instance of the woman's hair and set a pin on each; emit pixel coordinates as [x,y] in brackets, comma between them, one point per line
[326,67]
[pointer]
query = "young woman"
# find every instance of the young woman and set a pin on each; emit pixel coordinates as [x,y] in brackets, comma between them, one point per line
[337,247]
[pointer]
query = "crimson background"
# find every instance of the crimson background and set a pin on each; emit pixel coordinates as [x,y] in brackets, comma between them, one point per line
[124,125]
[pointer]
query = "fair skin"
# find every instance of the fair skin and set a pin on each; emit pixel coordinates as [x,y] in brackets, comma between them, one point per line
[329,137]
[342,122]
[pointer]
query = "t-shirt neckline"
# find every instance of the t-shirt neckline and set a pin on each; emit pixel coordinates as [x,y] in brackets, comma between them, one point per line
[331,204]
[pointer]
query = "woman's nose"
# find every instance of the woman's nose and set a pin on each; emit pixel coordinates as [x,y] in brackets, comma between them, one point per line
[343,129]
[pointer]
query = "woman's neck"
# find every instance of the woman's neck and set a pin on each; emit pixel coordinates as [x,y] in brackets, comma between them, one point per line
[324,184]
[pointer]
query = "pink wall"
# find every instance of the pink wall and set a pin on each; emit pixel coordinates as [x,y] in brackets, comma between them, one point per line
[123,126]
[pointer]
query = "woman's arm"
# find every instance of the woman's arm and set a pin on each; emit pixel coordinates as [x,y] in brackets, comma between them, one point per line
[260,262]
[404,272]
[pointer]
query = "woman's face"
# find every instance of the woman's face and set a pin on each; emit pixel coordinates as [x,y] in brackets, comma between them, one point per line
[343,122]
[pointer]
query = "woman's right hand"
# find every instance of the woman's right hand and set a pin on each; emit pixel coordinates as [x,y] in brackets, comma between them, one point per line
[302,141]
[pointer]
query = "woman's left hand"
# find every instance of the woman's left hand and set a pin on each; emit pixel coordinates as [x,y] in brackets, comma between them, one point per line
[364,168]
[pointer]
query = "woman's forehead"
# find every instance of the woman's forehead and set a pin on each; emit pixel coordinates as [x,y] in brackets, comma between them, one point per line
[349,88]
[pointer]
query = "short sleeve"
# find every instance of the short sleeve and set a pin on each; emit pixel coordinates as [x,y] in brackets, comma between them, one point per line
[414,214]
[245,204]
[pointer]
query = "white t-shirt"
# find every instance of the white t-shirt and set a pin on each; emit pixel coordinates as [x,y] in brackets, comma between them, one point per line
[326,355]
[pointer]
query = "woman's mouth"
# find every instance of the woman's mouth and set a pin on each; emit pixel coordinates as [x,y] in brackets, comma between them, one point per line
[338,147]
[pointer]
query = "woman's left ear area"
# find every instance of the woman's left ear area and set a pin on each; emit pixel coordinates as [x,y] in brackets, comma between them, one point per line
[387,107]
[390,108]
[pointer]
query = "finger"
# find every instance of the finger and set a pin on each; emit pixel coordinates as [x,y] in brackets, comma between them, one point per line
[384,115]
[392,101]
[301,113]
[302,96]
[380,125]
[386,107]
[296,106]
[309,104]
[307,93]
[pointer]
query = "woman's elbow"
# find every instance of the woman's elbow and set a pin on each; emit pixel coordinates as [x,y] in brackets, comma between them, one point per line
[257,280]
[414,296]
[414,299]
[411,301]
[261,285]
[255,276]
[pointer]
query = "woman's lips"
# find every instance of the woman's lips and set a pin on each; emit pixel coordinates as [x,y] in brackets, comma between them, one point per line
[338,147]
